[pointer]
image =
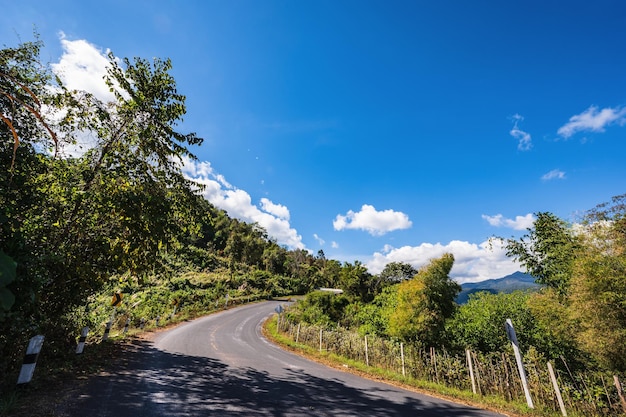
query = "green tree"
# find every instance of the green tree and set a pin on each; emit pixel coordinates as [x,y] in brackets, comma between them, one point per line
[373,318]
[70,224]
[321,307]
[598,293]
[356,281]
[397,272]
[424,304]
[546,251]
[479,323]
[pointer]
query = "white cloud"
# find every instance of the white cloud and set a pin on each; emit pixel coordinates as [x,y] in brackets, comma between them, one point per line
[524,140]
[376,223]
[334,245]
[593,120]
[238,203]
[519,223]
[472,262]
[319,239]
[277,210]
[555,174]
[83,67]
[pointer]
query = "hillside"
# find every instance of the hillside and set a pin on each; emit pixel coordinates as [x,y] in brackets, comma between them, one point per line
[507,284]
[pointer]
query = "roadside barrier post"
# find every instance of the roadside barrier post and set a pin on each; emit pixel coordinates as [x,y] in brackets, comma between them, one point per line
[126,325]
[107,329]
[81,341]
[510,331]
[30,359]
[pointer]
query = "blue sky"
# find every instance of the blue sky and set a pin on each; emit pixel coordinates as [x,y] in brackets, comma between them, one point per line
[376,131]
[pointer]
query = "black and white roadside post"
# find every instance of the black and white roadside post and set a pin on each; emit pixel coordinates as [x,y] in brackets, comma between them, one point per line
[157,320]
[142,323]
[81,341]
[126,325]
[30,359]
[510,332]
[107,330]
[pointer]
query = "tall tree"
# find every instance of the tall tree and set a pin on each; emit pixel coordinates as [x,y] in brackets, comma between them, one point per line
[598,293]
[424,304]
[546,251]
[397,272]
[71,223]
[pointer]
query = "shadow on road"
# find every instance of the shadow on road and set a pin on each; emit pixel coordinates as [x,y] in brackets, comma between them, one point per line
[155,383]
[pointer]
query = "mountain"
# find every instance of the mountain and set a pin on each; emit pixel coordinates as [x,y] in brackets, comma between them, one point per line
[507,284]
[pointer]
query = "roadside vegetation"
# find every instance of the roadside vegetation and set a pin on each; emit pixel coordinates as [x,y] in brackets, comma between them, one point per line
[119,217]
[576,321]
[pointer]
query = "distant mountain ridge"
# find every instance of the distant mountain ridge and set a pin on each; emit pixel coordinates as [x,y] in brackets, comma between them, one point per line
[507,284]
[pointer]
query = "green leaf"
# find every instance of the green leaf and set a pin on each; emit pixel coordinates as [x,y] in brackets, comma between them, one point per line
[8,269]
[7,299]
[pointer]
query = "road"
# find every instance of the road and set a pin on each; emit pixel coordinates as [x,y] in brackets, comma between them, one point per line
[221,365]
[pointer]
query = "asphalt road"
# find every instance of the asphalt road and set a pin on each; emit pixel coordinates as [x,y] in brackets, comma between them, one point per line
[221,365]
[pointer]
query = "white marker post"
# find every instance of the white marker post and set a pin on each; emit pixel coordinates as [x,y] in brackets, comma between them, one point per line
[107,329]
[468,356]
[510,332]
[81,341]
[126,325]
[557,391]
[30,359]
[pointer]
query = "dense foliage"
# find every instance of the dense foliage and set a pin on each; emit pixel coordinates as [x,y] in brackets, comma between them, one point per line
[577,317]
[118,215]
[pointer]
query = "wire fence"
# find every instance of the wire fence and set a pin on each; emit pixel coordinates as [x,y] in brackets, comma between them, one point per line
[583,393]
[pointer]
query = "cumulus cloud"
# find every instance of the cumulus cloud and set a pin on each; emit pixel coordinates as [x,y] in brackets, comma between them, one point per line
[334,245]
[376,223]
[524,140]
[238,203]
[472,262]
[593,120]
[555,174]
[83,67]
[277,210]
[519,223]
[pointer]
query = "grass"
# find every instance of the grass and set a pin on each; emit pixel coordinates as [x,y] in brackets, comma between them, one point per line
[492,403]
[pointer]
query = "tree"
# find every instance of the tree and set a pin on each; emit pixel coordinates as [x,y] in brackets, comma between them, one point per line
[424,303]
[70,224]
[546,251]
[356,281]
[397,272]
[479,324]
[598,293]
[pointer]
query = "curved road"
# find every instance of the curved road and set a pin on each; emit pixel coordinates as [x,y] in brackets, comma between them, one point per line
[221,365]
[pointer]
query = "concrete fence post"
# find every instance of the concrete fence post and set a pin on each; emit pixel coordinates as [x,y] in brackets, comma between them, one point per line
[402,357]
[30,359]
[107,330]
[81,341]
[126,325]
